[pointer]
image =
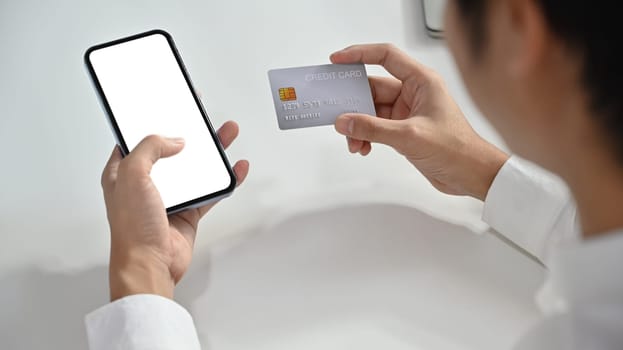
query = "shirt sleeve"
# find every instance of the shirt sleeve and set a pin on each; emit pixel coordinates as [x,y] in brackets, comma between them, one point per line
[141,322]
[531,207]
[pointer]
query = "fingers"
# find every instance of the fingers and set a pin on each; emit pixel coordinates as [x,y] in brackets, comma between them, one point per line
[358,146]
[366,148]
[228,133]
[109,175]
[395,61]
[368,128]
[241,169]
[354,145]
[385,90]
[152,148]
[384,111]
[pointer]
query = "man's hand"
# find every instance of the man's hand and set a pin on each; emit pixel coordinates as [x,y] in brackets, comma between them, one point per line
[150,251]
[418,118]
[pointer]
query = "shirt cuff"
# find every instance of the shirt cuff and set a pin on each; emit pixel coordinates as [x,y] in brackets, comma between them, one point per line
[141,322]
[524,204]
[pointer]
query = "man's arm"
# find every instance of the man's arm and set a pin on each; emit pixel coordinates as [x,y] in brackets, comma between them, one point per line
[150,252]
[418,118]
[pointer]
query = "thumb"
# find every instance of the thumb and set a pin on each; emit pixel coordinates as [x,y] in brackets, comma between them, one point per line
[369,128]
[152,148]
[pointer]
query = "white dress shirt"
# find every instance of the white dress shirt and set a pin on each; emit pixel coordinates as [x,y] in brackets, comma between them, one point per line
[581,300]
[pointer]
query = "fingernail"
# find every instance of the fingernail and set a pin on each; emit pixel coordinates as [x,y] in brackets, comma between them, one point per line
[344,125]
[177,140]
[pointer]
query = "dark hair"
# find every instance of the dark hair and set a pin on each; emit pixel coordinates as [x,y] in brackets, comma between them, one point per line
[590,29]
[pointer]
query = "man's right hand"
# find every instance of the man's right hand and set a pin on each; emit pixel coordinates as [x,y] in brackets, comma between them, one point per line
[419,119]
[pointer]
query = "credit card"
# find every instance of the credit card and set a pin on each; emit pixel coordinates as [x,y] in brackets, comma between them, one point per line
[317,95]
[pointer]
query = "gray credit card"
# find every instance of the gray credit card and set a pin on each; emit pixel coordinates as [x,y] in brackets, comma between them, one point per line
[317,95]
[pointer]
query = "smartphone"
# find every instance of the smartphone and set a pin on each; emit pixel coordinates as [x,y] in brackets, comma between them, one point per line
[433,17]
[145,89]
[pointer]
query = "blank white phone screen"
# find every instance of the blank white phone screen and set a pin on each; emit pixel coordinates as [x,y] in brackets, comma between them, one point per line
[148,94]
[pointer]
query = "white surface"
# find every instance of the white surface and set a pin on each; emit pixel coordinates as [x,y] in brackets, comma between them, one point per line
[55,141]
[366,277]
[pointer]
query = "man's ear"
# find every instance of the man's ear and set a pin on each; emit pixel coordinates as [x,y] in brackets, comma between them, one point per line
[529,36]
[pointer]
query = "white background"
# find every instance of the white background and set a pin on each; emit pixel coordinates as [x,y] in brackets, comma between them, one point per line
[54,138]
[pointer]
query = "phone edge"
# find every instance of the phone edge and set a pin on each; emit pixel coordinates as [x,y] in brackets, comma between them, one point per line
[194,203]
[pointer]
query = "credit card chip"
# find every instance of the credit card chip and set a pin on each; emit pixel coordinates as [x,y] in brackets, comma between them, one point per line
[287,94]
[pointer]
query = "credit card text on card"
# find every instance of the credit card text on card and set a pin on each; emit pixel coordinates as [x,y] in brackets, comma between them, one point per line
[317,95]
